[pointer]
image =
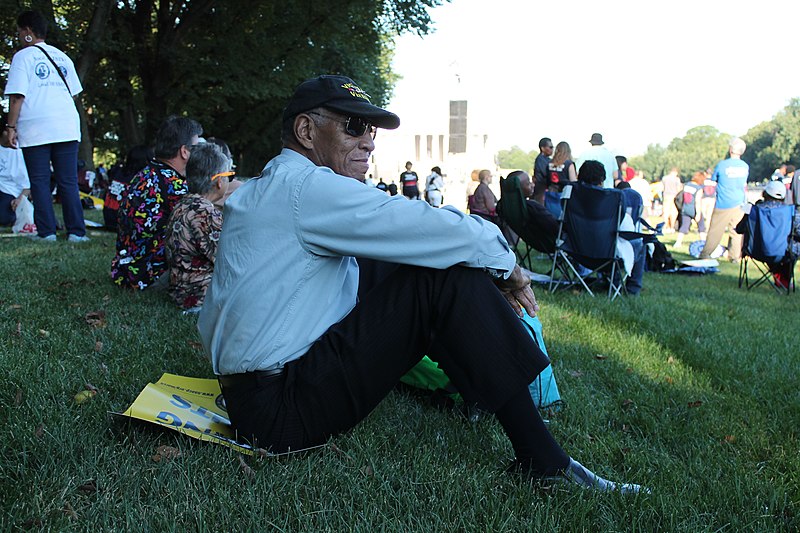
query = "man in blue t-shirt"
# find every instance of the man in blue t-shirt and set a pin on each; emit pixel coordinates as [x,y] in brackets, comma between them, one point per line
[731,177]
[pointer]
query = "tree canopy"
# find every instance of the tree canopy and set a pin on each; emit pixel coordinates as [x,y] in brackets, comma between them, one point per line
[700,149]
[774,142]
[231,65]
[517,158]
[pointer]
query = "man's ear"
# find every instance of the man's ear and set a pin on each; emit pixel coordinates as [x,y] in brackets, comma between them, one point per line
[304,130]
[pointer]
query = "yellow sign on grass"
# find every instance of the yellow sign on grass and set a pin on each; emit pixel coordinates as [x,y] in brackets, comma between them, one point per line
[192,406]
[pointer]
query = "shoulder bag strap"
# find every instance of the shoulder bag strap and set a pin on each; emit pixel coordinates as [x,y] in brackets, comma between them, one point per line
[61,74]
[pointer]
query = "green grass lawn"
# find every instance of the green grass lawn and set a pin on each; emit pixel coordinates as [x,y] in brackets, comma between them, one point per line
[690,389]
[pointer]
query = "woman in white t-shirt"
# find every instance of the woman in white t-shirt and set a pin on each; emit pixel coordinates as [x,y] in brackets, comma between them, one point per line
[44,123]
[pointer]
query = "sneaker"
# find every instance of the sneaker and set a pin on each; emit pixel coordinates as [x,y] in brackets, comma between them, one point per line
[49,238]
[576,474]
[78,238]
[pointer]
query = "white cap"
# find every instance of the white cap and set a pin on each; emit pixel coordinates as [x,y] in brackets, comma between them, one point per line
[775,189]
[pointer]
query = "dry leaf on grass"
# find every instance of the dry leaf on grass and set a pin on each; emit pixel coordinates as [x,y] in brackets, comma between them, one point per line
[98,346]
[600,356]
[166,453]
[367,471]
[696,403]
[18,397]
[104,369]
[14,307]
[627,403]
[671,360]
[69,511]
[669,380]
[339,451]
[31,523]
[575,373]
[19,329]
[730,439]
[39,433]
[96,319]
[194,344]
[90,487]
[44,333]
[84,395]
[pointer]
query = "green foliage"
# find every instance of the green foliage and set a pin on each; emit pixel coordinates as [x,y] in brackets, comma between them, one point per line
[774,142]
[231,65]
[700,149]
[689,389]
[516,158]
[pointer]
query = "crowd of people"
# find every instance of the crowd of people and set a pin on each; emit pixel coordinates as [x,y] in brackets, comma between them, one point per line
[299,289]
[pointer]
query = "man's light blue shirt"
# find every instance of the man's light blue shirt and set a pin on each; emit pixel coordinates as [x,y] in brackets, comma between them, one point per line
[285,269]
[731,177]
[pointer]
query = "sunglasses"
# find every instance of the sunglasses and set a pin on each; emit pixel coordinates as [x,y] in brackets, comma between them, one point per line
[230,174]
[353,126]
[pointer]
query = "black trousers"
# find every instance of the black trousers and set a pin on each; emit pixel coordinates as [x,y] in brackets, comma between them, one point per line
[456,316]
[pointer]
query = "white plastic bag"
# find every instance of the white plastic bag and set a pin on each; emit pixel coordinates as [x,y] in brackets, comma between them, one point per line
[24,223]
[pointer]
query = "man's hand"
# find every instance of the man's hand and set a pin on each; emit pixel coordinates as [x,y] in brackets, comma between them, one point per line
[517,290]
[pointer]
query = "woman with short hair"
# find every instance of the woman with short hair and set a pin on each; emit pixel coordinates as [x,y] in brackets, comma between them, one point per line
[195,224]
[43,121]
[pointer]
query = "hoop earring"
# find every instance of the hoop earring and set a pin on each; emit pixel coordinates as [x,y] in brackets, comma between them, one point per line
[28,39]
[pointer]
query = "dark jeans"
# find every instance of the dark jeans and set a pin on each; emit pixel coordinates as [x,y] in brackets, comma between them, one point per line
[455,316]
[7,215]
[634,282]
[64,157]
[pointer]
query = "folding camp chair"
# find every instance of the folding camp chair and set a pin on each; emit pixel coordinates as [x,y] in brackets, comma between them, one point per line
[586,246]
[766,243]
[513,210]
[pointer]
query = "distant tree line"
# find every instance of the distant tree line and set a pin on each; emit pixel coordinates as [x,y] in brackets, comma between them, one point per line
[230,64]
[769,144]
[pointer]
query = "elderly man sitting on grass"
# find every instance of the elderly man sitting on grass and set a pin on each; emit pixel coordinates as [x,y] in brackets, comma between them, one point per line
[300,358]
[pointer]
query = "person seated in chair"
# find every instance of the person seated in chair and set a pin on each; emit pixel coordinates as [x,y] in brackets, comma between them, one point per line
[541,220]
[773,196]
[592,174]
[633,206]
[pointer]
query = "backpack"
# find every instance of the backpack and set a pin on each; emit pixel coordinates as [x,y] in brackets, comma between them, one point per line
[660,259]
[686,200]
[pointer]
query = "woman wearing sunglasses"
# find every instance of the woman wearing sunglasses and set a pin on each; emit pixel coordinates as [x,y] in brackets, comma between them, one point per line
[195,224]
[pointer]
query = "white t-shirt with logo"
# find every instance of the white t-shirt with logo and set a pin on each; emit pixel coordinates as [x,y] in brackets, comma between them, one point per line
[13,173]
[48,113]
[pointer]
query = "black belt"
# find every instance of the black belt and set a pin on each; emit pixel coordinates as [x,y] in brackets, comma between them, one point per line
[248,379]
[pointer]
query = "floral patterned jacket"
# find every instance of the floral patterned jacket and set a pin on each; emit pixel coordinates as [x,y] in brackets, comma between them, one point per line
[143,213]
[191,245]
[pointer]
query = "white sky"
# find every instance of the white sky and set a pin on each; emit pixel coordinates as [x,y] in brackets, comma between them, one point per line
[637,71]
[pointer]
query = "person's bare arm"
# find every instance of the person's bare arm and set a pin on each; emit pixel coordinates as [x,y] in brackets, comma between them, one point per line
[14,106]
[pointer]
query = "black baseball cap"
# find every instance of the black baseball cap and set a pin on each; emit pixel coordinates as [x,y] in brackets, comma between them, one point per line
[340,94]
